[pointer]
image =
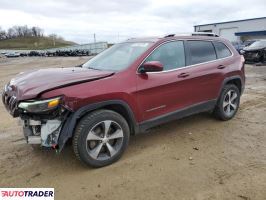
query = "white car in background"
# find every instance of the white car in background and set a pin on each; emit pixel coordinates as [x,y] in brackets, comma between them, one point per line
[12,54]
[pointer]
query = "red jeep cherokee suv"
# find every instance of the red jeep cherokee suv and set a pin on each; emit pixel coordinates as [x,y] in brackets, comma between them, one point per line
[125,90]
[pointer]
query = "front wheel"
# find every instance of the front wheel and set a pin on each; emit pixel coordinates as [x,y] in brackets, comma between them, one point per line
[100,138]
[228,103]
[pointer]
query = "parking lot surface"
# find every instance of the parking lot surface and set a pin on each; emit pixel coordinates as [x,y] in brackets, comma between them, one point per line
[197,157]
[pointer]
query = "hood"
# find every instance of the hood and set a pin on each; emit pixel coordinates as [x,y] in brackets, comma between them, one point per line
[27,85]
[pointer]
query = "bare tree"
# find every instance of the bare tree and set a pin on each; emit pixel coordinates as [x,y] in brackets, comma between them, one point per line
[39,32]
[2,34]
[11,33]
[34,31]
[24,31]
[17,31]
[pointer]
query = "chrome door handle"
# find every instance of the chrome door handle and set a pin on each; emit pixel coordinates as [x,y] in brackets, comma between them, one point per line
[183,75]
[221,67]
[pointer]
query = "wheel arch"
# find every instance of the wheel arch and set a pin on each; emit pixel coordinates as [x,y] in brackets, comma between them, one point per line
[235,80]
[118,106]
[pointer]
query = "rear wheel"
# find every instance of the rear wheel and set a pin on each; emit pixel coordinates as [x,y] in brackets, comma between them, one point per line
[100,138]
[228,102]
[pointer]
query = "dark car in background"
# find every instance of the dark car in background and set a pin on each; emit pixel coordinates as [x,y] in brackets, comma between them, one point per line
[239,46]
[256,52]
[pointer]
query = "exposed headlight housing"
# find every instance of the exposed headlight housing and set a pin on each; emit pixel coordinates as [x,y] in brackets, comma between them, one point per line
[40,106]
[242,52]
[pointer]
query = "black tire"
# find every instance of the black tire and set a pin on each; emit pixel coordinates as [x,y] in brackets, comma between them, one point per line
[220,110]
[263,59]
[87,125]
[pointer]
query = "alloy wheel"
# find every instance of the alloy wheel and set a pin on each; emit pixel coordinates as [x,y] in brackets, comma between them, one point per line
[230,102]
[104,140]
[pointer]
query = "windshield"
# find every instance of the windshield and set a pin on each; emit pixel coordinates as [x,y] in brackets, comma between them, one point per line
[259,44]
[118,57]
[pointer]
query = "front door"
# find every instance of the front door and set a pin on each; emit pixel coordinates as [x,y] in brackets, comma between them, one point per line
[159,93]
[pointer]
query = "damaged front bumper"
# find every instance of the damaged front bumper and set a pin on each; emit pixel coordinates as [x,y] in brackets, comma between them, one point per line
[43,132]
[42,120]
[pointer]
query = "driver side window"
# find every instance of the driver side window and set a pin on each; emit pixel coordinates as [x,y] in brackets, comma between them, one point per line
[170,54]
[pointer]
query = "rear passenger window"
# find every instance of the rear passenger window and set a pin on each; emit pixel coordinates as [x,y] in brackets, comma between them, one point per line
[201,51]
[221,50]
[170,54]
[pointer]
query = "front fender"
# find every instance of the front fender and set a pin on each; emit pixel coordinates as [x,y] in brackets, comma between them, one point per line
[71,121]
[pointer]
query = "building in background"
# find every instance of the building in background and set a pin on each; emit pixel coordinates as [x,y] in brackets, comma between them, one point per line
[237,31]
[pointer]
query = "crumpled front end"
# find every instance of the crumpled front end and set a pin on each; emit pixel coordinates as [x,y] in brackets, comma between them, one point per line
[253,56]
[42,120]
[10,100]
[42,132]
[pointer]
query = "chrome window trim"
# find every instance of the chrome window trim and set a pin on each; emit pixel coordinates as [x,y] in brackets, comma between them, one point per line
[188,66]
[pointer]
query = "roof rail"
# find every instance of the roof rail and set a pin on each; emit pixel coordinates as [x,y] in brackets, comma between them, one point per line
[205,34]
[193,34]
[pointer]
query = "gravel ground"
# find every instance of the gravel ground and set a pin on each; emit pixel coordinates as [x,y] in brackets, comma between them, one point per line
[194,158]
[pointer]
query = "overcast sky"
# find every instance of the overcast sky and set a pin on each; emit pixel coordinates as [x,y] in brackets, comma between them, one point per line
[117,20]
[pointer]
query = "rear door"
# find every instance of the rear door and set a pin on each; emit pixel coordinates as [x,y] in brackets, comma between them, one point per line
[206,70]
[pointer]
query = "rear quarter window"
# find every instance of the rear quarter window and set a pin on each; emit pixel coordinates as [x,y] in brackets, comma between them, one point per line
[200,51]
[222,50]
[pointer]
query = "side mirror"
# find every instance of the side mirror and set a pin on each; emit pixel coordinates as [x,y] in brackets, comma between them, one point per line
[152,66]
